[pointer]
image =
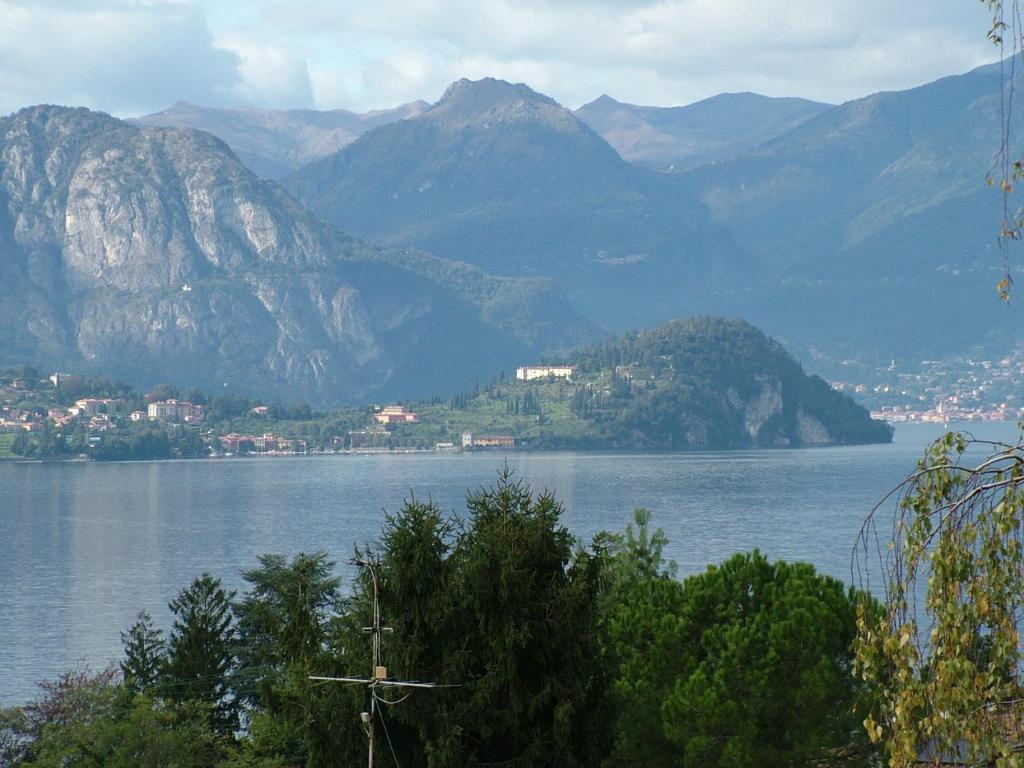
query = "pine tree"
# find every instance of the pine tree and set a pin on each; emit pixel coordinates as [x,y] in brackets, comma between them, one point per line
[145,654]
[201,649]
[283,623]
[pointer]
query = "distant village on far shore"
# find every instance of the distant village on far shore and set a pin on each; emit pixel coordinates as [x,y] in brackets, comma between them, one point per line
[100,415]
[959,390]
[942,391]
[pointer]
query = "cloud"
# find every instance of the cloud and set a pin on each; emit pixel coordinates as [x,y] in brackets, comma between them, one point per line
[269,75]
[656,51]
[129,57]
[135,56]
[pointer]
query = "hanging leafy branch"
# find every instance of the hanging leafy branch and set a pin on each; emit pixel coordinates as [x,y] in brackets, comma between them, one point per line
[944,655]
[1006,33]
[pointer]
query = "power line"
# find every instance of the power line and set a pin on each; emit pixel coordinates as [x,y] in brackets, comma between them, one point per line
[379,674]
[388,735]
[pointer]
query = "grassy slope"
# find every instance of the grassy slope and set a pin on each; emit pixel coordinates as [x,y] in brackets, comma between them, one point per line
[487,414]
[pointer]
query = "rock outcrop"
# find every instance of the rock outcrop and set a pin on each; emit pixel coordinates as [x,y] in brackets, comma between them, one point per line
[155,255]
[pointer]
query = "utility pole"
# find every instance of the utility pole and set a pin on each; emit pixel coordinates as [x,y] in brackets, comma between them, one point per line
[378,674]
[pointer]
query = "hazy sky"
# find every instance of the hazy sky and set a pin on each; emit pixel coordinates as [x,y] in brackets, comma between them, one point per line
[130,57]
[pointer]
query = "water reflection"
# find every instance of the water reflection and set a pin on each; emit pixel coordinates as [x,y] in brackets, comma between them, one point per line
[84,547]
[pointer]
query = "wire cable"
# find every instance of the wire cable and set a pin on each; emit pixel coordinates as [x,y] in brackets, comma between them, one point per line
[386,734]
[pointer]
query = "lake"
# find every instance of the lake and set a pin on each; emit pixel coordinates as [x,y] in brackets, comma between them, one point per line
[84,547]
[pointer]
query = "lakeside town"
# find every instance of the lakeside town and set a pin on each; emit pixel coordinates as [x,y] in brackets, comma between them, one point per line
[32,418]
[37,411]
[941,391]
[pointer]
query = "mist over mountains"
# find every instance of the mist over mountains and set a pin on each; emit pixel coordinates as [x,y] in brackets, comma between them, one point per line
[495,224]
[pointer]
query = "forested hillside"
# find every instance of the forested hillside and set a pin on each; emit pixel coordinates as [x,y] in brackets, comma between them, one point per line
[689,384]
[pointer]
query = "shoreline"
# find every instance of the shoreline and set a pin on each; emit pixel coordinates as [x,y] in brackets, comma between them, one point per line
[447,452]
[939,429]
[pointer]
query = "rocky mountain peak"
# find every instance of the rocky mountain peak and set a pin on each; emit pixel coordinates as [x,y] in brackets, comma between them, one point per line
[602,103]
[489,101]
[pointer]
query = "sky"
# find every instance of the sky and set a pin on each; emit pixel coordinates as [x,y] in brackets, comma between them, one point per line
[133,57]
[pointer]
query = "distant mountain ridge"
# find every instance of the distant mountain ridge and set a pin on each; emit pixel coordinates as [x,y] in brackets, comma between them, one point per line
[875,218]
[153,254]
[837,235]
[272,142]
[505,178]
[707,131]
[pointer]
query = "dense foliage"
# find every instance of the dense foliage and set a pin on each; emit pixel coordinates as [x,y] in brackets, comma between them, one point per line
[718,382]
[748,664]
[545,653]
[945,654]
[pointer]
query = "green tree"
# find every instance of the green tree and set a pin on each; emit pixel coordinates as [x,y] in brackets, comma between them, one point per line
[200,653]
[118,730]
[417,600]
[190,443]
[635,556]
[502,605]
[523,638]
[283,623]
[945,653]
[641,604]
[15,736]
[22,444]
[764,670]
[144,654]
[162,392]
[67,699]
[645,646]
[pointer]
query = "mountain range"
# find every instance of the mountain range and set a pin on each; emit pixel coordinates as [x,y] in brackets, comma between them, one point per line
[875,218]
[273,143]
[708,131]
[504,178]
[153,254]
[842,234]
[427,242]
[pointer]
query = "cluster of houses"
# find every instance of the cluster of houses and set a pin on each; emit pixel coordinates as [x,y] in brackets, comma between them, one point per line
[98,414]
[12,420]
[946,412]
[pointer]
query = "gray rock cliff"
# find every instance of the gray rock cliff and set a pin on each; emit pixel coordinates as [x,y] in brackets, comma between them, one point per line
[154,254]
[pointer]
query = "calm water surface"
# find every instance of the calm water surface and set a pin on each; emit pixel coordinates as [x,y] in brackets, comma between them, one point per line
[84,547]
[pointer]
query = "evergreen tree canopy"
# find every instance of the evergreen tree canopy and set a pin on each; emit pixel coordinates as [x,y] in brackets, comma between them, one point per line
[763,675]
[500,605]
[201,649]
[144,654]
[283,626]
